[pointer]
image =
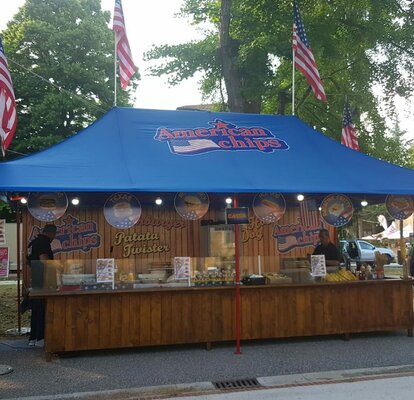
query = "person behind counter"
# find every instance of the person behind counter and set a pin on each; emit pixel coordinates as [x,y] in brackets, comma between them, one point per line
[39,250]
[327,248]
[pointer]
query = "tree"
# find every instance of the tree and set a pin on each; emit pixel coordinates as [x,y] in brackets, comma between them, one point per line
[247,45]
[60,55]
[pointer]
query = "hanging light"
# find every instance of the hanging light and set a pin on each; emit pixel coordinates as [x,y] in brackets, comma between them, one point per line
[364,203]
[158,201]
[301,197]
[75,201]
[23,200]
[229,200]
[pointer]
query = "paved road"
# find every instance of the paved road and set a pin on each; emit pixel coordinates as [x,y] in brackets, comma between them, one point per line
[383,389]
[124,369]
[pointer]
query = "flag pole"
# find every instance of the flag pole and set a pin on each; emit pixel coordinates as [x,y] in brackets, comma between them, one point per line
[293,81]
[115,70]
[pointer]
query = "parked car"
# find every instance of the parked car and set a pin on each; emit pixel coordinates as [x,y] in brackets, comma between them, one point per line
[360,251]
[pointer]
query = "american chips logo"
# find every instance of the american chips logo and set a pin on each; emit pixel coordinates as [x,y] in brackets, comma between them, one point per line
[220,136]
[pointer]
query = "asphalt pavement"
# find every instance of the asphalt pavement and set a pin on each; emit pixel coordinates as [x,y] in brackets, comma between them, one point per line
[400,388]
[130,369]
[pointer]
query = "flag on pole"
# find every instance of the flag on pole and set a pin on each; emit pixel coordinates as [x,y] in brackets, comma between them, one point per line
[123,51]
[349,137]
[303,56]
[8,113]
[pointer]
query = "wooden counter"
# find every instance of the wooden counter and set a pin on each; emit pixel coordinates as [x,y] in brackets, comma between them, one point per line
[115,319]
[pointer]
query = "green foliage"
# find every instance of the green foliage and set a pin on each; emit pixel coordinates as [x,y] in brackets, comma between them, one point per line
[69,44]
[6,212]
[356,45]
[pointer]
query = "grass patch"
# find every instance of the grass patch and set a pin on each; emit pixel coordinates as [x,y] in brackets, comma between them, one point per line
[8,309]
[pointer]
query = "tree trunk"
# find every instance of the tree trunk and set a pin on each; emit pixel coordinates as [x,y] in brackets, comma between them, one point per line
[282,97]
[229,53]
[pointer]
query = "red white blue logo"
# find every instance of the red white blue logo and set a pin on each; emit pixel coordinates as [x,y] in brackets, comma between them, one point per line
[221,135]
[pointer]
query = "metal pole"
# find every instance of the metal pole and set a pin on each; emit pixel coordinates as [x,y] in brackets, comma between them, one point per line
[19,319]
[237,266]
[293,82]
[402,250]
[115,70]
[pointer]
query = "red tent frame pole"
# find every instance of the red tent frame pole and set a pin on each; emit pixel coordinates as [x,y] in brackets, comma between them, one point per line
[237,267]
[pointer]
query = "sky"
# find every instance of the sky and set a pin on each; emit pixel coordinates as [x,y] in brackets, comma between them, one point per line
[154,22]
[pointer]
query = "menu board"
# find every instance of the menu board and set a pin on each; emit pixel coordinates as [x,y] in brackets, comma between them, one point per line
[47,207]
[122,210]
[2,231]
[105,270]
[337,210]
[269,207]
[191,206]
[4,262]
[182,268]
[399,207]
[318,265]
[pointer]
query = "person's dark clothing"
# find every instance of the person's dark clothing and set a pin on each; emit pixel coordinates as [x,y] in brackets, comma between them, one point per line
[37,319]
[411,258]
[38,246]
[330,252]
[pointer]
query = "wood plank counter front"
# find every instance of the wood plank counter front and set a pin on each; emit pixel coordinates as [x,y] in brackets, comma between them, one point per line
[115,319]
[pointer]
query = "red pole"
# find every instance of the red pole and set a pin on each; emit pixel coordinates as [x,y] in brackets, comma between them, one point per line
[237,266]
[19,319]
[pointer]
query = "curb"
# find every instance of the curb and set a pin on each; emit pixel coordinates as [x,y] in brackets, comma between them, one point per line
[145,392]
[350,375]
[206,388]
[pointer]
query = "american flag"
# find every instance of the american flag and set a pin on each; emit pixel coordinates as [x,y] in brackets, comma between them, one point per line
[349,138]
[182,146]
[123,51]
[309,213]
[303,56]
[8,113]
[343,219]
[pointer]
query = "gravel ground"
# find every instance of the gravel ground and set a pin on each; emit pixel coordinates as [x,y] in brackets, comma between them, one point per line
[122,369]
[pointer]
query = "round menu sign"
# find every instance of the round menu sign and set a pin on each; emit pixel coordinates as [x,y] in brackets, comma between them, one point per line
[337,210]
[47,207]
[191,206]
[122,210]
[269,207]
[399,207]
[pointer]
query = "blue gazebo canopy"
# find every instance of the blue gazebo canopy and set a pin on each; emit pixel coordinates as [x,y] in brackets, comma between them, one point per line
[170,151]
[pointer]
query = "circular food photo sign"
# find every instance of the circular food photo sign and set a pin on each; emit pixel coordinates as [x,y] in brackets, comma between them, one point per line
[399,207]
[269,207]
[337,210]
[191,206]
[122,210]
[47,207]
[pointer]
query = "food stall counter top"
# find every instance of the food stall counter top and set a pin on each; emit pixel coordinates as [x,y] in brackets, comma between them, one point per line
[49,293]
